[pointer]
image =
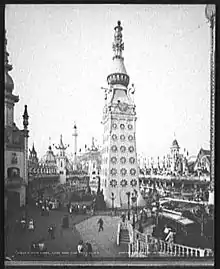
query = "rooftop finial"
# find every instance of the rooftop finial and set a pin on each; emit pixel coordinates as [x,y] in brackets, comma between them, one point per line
[118,45]
[25,117]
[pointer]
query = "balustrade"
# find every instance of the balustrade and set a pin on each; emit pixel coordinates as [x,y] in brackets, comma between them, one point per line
[146,247]
[143,245]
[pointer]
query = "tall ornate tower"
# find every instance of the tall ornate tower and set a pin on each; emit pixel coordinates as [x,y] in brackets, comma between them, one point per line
[119,178]
[75,134]
[16,144]
[61,160]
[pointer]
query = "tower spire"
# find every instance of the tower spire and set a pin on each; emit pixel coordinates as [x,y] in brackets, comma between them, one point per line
[118,75]
[118,44]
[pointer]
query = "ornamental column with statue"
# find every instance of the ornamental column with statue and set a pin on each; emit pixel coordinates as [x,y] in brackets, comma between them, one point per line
[119,174]
[210,13]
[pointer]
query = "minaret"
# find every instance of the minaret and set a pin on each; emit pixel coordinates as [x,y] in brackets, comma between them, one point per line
[119,158]
[61,160]
[75,134]
[174,149]
[25,124]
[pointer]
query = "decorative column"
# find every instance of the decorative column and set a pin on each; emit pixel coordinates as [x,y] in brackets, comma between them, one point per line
[75,134]
[25,124]
[210,13]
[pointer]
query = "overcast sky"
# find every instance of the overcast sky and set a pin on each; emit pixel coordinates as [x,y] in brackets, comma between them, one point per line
[62,54]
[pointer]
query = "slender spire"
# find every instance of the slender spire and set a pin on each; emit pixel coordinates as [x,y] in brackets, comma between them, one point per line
[118,75]
[61,145]
[33,149]
[74,125]
[25,117]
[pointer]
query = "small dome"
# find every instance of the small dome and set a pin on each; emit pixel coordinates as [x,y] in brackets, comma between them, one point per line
[9,83]
[49,158]
[175,143]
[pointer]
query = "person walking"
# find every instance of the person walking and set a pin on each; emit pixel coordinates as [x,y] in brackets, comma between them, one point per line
[123,217]
[100,222]
[42,210]
[31,225]
[51,232]
[80,249]
[88,249]
[47,210]
[166,231]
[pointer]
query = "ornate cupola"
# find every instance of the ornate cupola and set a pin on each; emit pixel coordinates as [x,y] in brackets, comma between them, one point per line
[9,84]
[118,74]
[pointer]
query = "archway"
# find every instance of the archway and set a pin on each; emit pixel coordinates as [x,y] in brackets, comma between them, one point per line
[13,201]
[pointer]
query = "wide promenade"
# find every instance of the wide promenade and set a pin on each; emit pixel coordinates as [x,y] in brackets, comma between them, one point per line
[103,242]
[82,227]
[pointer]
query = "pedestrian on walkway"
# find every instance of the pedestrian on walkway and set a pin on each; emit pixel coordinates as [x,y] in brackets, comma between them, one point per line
[100,222]
[166,231]
[123,217]
[47,210]
[43,210]
[80,249]
[51,231]
[31,225]
[88,249]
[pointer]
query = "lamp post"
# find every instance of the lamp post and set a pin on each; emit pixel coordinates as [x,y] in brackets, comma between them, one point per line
[136,196]
[113,198]
[128,194]
[133,198]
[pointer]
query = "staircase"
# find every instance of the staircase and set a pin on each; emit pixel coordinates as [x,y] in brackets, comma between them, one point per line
[124,236]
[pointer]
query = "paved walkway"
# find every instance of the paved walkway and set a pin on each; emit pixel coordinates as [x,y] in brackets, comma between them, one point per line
[65,239]
[104,242]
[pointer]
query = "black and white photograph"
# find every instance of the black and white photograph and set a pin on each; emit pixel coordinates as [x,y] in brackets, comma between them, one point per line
[109,133]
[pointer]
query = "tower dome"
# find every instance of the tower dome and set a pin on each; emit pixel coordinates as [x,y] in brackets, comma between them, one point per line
[9,84]
[175,144]
[118,73]
[49,158]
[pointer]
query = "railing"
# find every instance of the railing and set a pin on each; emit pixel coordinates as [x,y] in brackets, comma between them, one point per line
[147,245]
[143,245]
[185,201]
[190,177]
[172,212]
